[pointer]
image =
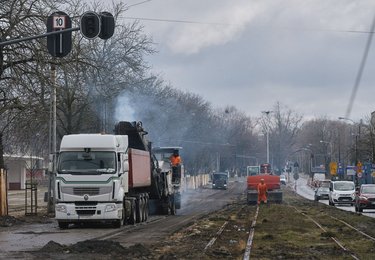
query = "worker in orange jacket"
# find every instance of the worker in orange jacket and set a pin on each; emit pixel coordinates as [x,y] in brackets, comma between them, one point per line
[175,159]
[262,192]
[176,166]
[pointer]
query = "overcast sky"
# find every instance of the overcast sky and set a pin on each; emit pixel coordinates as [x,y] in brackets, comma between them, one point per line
[253,53]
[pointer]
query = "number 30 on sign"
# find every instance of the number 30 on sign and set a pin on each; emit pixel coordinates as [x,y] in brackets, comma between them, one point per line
[59,22]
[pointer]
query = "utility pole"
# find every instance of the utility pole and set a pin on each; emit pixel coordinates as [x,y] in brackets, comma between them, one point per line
[267,134]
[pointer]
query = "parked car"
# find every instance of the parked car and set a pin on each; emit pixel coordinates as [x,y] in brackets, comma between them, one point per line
[365,197]
[341,192]
[283,179]
[321,192]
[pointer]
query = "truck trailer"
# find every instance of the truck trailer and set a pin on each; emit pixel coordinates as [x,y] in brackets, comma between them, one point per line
[111,178]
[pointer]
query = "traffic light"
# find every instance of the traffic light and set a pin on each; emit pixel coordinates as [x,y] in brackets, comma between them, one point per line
[90,25]
[107,28]
[94,25]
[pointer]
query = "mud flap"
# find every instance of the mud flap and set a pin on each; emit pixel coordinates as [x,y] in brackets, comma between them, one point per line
[252,198]
[275,197]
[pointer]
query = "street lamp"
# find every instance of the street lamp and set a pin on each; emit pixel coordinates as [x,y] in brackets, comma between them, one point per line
[356,136]
[330,146]
[268,128]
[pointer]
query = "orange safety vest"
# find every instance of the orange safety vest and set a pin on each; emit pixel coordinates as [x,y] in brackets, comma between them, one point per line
[262,192]
[175,160]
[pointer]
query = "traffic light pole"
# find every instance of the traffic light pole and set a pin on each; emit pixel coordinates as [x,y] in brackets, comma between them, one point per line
[4,43]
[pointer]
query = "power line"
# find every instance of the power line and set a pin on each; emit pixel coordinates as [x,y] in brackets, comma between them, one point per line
[230,24]
[139,3]
[360,71]
[172,21]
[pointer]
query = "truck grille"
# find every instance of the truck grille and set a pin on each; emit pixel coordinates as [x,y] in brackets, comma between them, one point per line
[85,210]
[91,191]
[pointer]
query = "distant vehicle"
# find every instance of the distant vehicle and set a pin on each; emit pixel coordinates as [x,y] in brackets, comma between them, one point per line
[317,179]
[220,180]
[341,192]
[321,192]
[283,179]
[365,197]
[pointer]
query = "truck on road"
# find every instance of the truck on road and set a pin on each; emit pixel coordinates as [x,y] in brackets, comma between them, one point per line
[111,178]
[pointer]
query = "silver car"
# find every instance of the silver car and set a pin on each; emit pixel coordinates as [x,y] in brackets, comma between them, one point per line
[321,193]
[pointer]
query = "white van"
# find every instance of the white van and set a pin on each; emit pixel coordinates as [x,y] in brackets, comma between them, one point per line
[341,192]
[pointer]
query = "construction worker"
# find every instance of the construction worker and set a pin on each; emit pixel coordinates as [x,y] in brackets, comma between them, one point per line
[175,159]
[176,166]
[262,191]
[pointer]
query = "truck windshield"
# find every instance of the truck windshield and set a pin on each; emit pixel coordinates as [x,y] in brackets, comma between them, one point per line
[87,162]
[344,186]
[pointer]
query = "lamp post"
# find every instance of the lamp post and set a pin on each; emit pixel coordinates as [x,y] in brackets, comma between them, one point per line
[267,134]
[330,154]
[356,136]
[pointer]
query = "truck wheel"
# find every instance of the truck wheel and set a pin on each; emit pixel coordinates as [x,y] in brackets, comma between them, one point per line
[138,210]
[142,205]
[172,205]
[177,201]
[146,209]
[165,207]
[117,223]
[132,216]
[63,225]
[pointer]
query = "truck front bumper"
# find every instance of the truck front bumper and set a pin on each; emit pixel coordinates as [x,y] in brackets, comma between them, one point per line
[70,212]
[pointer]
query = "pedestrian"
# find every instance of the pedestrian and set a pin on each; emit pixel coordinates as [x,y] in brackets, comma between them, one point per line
[262,192]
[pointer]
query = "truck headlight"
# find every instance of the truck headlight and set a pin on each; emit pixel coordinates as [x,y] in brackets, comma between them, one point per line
[110,208]
[61,208]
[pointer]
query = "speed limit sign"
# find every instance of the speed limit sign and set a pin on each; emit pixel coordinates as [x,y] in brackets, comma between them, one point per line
[59,22]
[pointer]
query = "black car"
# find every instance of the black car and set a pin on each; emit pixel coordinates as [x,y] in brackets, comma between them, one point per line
[220,180]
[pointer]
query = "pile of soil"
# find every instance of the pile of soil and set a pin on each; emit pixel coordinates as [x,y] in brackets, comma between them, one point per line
[100,248]
[8,221]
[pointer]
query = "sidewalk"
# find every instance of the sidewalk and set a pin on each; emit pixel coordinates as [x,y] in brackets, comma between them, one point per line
[17,201]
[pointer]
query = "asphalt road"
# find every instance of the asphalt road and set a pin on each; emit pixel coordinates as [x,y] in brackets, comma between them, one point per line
[196,203]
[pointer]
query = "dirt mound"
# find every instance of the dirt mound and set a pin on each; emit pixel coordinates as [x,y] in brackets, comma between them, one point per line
[8,221]
[102,247]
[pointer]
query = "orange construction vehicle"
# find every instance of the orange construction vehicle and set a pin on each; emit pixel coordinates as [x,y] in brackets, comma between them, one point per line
[274,193]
